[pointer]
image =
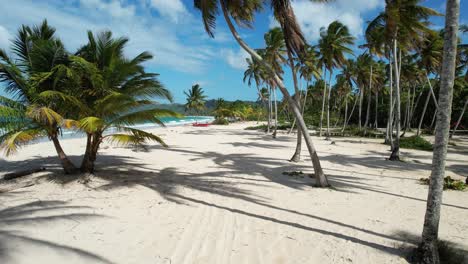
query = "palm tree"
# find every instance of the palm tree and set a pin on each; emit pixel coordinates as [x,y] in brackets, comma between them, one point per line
[195,99]
[428,246]
[364,68]
[122,95]
[274,55]
[430,53]
[243,13]
[333,44]
[307,67]
[348,76]
[256,73]
[402,23]
[33,113]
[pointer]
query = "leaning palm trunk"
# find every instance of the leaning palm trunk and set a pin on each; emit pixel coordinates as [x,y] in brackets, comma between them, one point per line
[323,100]
[428,98]
[396,145]
[459,119]
[297,153]
[67,165]
[320,178]
[351,114]
[345,114]
[428,246]
[328,105]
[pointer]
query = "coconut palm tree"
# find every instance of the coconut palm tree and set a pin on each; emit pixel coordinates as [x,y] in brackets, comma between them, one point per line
[123,95]
[273,54]
[242,12]
[333,45]
[195,99]
[308,69]
[403,23]
[428,247]
[430,53]
[33,112]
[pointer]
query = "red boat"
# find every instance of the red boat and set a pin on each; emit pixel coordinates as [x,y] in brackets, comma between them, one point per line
[200,125]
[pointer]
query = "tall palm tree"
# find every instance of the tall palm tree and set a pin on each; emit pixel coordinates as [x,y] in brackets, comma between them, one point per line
[33,113]
[364,67]
[333,44]
[273,54]
[243,14]
[348,76]
[430,53]
[255,73]
[195,99]
[428,246]
[123,95]
[308,69]
[402,23]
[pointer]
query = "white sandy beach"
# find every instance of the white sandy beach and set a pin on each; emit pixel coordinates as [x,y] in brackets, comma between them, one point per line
[218,195]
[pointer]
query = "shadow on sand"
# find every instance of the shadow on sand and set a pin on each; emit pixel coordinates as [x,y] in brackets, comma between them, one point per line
[14,242]
[228,180]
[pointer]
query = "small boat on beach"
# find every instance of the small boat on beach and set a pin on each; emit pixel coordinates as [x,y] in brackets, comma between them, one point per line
[201,125]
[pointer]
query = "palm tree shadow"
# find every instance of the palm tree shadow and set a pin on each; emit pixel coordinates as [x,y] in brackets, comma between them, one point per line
[13,242]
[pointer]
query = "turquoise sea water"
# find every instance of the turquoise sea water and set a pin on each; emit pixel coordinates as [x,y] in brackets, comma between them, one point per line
[168,122]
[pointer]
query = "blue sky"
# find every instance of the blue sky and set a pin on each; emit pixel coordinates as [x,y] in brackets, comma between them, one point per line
[172,31]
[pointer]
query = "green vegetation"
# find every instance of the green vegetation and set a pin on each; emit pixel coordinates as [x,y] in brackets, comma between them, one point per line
[415,142]
[94,90]
[449,183]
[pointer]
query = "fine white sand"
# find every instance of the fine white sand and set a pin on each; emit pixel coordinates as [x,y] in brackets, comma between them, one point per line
[217,195]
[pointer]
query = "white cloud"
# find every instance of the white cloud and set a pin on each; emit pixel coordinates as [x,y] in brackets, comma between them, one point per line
[236,59]
[4,38]
[113,7]
[180,48]
[313,16]
[174,9]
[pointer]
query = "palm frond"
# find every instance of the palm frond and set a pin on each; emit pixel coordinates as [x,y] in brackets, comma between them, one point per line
[12,141]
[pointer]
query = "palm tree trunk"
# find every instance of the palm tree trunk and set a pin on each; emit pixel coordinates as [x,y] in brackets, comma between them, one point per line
[361,99]
[410,121]
[67,165]
[390,112]
[92,147]
[328,105]
[269,111]
[276,113]
[345,114]
[396,145]
[297,153]
[415,105]
[351,114]
[459,119]
[323,99]
[418,132]
[376,122]
[428,247]
[407,113]
[320,178]
[429,94]
[369,97]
